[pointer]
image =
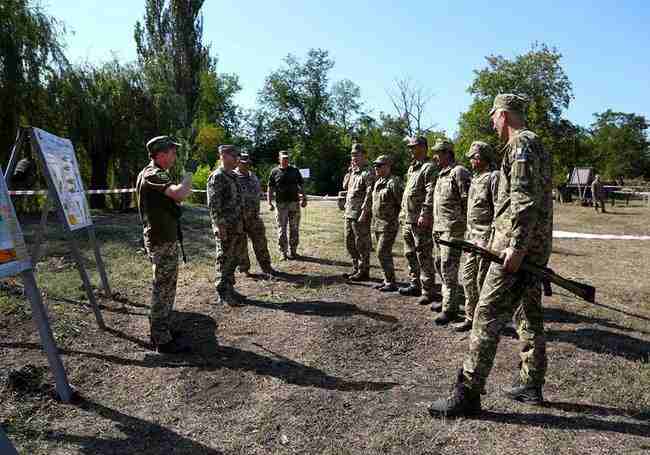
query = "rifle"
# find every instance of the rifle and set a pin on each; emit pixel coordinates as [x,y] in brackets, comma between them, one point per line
[584,291]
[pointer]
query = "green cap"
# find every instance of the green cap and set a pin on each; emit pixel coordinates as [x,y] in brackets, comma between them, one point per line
[229,149]
[482,148]
[381,160]
[509,102]
[159,143]
[357,149]
[442,145]
[416,140]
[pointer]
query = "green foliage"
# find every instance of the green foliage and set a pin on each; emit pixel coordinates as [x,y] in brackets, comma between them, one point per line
[200,181]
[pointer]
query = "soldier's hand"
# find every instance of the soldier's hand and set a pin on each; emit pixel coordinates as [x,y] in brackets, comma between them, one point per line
[191,166]
[271,207]
[512,259]
[424,221]
[303,202]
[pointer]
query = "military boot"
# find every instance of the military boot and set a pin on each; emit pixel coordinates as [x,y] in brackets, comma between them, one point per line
[437,307]
[411,289]
[390,287]
[463,401]
[361,275]
[445,318]
[464,326]
[227,297]
[526,393]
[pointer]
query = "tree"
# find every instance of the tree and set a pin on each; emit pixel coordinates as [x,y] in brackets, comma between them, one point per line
[539,76]
[620,144]
[410,101]
[346,104]
[31,51]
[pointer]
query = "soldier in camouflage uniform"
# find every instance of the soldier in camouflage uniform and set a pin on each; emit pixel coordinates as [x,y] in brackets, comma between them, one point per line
[358,214]
[450,221]
[158,201]
[523,228]
[597,194]
[386,200]
[225,204]
[253,224]
[417,222]
[480,215]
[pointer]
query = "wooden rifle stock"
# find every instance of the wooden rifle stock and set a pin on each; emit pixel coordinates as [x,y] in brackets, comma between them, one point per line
[545,274]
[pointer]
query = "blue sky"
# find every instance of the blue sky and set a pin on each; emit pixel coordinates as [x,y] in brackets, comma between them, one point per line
[606,45]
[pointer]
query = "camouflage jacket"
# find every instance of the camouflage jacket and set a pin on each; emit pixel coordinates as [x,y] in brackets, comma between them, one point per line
[597,190]
[225,201]
[418,193]
[450,199]
[386,198]
[359,192]
[480,205]
[251,192]
[524,213]
[158,212]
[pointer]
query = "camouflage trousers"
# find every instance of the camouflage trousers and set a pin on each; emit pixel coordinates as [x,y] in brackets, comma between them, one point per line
[385,242]
[599,202]
[418,250]
[449,266]
[164,261]
[288,213]
[254,229]
[474,269]
[359,243]
[504,294]
[228,251]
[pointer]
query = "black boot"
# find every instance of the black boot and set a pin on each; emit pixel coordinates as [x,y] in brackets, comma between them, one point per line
[411,289]
[445,318]
[462,402]
[526,393]
[464,326]
[361,275]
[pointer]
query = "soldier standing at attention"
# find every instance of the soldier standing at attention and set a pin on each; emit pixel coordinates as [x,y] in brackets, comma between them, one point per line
[253,224]
[158,204]
[480,215]
[597,194]
[226,212]
[417,221]
[523,228]
[287,185]
[386,200]
[358,212]
[450,221]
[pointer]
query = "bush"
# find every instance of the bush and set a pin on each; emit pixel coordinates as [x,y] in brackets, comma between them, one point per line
[200,182]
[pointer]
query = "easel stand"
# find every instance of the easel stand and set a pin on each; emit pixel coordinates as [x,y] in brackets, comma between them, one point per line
[28,135]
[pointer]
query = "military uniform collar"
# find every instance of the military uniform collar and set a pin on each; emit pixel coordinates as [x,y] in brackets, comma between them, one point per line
[418,163]
[447,169]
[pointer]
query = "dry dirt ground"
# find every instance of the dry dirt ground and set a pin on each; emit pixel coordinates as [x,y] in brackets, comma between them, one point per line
[316,365]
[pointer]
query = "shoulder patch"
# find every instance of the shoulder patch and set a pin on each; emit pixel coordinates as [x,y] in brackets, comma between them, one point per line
[521,154]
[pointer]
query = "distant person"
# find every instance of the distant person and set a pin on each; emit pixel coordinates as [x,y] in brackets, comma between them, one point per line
[598,194]
[481,201]
[358,213]
[449,223]
[286,187]
[523,230]
[416,217]
[158,200]
[253,224]
[386,202]
[226,207]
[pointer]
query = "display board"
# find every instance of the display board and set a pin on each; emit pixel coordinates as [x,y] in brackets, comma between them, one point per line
[306,173]
[61,162]
[14,257]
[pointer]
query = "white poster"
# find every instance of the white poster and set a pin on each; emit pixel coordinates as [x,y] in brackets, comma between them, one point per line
[305,173]
[62,165]
[14,257]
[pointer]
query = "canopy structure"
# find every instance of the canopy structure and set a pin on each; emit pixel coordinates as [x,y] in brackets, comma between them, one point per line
[581,178]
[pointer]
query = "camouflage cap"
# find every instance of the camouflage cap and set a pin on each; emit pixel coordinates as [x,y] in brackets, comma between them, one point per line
[509,102]
[357,149]
[244,157]
[443,145]
[229,149]
[381,160]
[482,148]
[416,140]
[159,143]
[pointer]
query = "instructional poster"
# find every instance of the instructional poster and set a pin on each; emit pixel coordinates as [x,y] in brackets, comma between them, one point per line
[62,166]
[14,257]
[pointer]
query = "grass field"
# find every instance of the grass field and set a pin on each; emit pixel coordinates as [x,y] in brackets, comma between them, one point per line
[316,365]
